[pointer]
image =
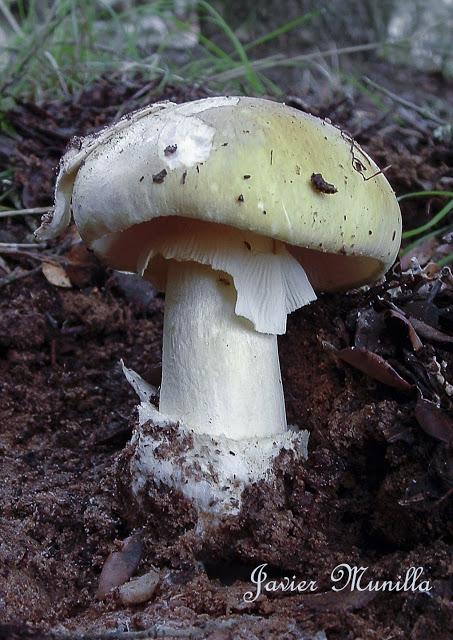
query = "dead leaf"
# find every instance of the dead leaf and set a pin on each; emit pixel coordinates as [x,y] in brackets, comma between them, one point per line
[434,421]
[374,366]
[423,252]
[404,329]
[134,288]
[81,265]
[369,329]
[120,566]
[431,270]
[422,306]
[430,333]
[56,275]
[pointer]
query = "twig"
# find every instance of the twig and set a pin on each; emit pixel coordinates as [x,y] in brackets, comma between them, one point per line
[26,254]
[160,630]
[370,126]
[280,60]
[18,275]
[138,94]
[406,103]
[14,247]
[155,631]
[23,212]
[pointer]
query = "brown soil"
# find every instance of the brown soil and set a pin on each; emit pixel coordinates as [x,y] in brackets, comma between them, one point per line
[374,492]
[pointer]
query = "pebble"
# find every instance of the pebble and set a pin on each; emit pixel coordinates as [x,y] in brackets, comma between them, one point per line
[140,589]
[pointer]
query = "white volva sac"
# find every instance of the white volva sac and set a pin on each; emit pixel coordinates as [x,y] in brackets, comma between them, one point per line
[239,208]
[214,471]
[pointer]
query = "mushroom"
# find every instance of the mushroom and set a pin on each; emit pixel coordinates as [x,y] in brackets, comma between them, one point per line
[239,208]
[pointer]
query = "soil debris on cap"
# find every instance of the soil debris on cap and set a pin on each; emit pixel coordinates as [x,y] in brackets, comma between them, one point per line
[158,178]
[322,185]
[170,149]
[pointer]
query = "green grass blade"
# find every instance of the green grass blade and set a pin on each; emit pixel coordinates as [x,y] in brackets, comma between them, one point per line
[251,76]
[431,223]
[443,262]
[207,44]
[128,38]
[288,26]
[425,194]
[418,241]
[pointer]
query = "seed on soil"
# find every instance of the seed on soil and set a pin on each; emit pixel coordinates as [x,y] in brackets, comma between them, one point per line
[120,566]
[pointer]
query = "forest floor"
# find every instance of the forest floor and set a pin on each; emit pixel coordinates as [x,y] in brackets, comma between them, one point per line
[375,491]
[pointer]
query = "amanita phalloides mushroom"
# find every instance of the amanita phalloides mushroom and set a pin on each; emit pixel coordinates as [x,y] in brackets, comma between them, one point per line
[239,208]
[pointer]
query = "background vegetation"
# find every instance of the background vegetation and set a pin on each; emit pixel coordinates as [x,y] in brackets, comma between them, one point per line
[325,51]
[54,48]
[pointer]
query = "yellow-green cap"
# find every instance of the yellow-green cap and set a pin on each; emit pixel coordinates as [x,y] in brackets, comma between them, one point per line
[248,163]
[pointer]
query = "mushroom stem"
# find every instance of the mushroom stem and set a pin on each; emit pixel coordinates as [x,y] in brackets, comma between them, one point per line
[219,375]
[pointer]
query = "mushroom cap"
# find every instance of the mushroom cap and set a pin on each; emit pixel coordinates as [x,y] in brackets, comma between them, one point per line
[249,163]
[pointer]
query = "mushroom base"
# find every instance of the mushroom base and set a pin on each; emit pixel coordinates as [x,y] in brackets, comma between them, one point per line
[170,471]
[210,473]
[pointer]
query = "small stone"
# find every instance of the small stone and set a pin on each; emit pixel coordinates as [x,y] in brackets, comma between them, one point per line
[140,589]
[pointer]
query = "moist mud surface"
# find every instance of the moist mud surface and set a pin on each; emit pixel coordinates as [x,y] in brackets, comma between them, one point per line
[375,491]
